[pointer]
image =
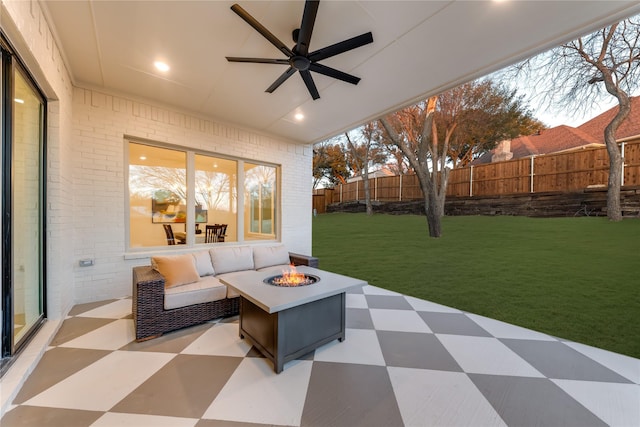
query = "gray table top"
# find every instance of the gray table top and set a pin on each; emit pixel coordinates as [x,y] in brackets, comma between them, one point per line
[272,299]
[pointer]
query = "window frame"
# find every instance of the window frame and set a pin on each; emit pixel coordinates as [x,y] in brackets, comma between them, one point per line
[242,235]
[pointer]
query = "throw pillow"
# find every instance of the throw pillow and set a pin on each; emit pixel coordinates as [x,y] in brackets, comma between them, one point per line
[177,270]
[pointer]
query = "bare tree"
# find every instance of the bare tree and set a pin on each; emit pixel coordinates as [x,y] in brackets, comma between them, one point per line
[414,131]
[569,78]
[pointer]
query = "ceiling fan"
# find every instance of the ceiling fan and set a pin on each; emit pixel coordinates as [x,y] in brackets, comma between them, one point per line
[298,57]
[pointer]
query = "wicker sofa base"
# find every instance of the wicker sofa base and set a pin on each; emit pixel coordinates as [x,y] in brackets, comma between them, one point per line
[152,320]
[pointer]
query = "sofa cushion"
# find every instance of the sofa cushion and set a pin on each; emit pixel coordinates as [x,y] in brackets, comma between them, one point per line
[228,259]
[177,270]
[203,263]
[267,256]
[204,290]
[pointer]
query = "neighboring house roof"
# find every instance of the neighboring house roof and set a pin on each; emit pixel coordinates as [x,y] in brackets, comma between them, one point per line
[564,138]
[629,128]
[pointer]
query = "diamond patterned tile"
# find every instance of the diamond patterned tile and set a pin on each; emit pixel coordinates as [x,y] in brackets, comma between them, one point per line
[557,360]
[357,318]
[452,323]
[111,336]
[111,419]
[30,416]
[101,385]
[505,330]
[360,346]
[533,402]
[404,361]
[483,355]
[114,310]
[174,342]
[391,302]
[221,339]
[356,301]
[412,350]
[626,366]
[437,398]
[77,326]
[615,404]
[256,394]
[422,305]
[81,308]
[184,387]
[335,396]
[398,320]
[56,365]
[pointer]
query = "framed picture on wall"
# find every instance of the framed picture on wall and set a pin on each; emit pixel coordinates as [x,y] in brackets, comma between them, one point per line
[167,207]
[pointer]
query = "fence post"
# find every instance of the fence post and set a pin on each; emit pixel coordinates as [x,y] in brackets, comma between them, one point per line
[531,174]
[357,188]
[471,182]
[400,196]
[375,188]
[340,193]
[622,174]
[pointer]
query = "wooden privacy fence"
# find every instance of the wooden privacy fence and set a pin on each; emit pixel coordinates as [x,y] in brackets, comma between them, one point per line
[559,172]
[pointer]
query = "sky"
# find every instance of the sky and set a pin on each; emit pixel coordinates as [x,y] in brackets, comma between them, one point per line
[553,119]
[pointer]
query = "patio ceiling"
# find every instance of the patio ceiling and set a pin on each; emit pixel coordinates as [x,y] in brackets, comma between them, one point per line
[420,48]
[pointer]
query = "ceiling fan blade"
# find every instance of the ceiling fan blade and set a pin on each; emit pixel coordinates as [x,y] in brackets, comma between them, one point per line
[258,60]
[308,80]
[306,27]
[284,76]
[332,72]
[343,46]
[261,29]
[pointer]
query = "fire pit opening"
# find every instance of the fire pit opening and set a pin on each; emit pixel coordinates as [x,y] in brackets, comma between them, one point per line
[291,278]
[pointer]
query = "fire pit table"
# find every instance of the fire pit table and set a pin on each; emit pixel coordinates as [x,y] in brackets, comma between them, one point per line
[286,322]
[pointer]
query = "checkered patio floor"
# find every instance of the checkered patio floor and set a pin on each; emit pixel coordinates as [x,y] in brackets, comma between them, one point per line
[405,362]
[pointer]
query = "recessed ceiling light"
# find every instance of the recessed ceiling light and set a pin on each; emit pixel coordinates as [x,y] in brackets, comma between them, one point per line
[19,101]
[161,66]
[143,157]
[299,116]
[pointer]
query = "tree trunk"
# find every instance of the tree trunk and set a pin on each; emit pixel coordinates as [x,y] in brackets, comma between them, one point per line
[367,190]
[430,205]
[434,219]
[614,212]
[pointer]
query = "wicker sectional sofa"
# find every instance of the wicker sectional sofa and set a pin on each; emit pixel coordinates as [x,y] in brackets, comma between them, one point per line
[160,306]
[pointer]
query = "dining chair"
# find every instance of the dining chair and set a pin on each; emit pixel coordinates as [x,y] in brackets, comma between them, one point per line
[169,232]
[171,239]
[215,233]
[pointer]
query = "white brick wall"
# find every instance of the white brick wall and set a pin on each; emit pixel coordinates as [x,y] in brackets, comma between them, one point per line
[100,123]
[24,24]
[86,170]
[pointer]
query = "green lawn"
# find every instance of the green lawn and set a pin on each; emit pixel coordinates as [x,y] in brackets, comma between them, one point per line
[574,278]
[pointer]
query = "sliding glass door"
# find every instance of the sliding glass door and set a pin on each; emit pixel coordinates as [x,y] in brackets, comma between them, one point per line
[23,124]
[26,210]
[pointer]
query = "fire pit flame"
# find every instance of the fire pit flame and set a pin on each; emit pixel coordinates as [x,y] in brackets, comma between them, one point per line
[292,278]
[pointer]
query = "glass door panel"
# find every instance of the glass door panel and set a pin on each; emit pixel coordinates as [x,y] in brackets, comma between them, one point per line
[26,215]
